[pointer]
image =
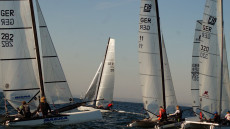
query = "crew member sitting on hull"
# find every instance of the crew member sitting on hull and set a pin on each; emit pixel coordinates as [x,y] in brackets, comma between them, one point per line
[162,114]
[24,110]
[44,107]
[177,114]
[227,119]
[109,106]
[20,110]
[215,118]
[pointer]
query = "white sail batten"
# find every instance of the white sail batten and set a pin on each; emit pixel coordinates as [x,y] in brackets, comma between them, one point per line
[106,86]
[170,96]
[195,67]
[56,87]
[18,62]
[92,91]
[149,58]
[210,63]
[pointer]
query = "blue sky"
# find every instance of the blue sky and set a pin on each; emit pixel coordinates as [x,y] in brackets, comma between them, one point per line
[80,30]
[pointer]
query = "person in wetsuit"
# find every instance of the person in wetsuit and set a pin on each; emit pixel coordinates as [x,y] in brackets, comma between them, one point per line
[44,107]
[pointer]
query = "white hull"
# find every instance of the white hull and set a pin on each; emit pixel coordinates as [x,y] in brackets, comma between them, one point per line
[85,108]
[202,125]
[65,119]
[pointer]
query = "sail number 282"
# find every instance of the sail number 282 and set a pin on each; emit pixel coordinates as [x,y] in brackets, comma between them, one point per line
[7,39]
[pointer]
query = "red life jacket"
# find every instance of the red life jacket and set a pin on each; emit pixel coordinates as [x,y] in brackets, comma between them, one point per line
[110,105]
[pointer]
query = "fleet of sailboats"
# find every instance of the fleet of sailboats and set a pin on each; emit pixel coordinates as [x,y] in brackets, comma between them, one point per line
[25,78]
[100,91]
[27,75]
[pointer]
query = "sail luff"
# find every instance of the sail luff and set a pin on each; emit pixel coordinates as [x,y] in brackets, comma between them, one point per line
[103,64]
[221,76]
[161,54]
[37,49]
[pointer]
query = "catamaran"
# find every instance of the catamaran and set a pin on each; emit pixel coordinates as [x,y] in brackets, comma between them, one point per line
[22,73]
[213,69]
[100,91]
[155,76]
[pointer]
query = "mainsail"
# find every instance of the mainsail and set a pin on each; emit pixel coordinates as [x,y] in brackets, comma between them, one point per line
[150,62]
[106,83]
[56,87]
[92,91]
[211,80]
[18,60]
[195,67]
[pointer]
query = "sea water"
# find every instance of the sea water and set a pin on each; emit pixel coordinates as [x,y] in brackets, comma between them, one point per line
[127,112]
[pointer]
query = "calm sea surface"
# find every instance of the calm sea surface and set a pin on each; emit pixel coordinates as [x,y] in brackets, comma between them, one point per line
[111,120]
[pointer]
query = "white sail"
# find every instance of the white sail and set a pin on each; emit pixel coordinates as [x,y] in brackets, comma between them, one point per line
[17,54]
[149,58]
[56,87]
[195,68]
[226,84]
[92,91]
[170,96]
[210,58]
[106,84]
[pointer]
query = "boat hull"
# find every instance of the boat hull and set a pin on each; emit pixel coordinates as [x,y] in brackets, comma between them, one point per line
[63,119]
[85,108]
[202,125]
[155,124]
[143,123]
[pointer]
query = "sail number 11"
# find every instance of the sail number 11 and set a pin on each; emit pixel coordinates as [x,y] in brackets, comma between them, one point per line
[7,39]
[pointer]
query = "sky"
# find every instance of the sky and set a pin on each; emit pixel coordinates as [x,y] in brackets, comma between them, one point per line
[80,30]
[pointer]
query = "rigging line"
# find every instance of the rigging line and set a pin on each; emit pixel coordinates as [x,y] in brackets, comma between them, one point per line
[34,96]
[150,112]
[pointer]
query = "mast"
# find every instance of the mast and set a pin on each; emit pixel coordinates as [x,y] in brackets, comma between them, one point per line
[221,76]
[37,49]
[161,54]
[94,104]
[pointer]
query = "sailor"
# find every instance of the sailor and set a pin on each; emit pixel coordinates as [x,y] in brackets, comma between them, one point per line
[227,118]
[26,110]
[44,107]
[162,114]
[109,106]
[20,109]
[177,114]
[215,118]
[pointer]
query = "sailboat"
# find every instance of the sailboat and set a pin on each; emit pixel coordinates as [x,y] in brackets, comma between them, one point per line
[24,76]
[155,76]
[214,88]
[100,91]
